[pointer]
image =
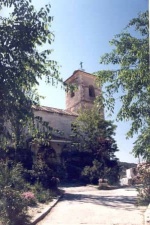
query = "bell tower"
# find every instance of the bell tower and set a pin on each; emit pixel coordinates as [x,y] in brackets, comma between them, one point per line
[85,93]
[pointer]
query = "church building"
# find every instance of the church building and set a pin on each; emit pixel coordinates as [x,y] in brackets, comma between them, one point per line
[81,97]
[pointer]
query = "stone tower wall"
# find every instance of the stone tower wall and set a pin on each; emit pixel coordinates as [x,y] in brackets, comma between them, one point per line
[81,98]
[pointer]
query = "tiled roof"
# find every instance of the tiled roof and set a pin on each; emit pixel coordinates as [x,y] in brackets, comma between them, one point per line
[54,110]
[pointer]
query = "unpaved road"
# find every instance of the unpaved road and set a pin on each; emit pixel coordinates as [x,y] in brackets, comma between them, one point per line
[87,205]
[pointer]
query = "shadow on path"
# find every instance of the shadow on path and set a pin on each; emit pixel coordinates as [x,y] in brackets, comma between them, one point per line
[121,202]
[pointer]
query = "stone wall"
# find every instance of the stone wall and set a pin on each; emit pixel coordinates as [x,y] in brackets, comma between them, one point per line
[58,121]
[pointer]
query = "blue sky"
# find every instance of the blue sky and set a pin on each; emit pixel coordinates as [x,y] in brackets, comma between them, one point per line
[83,29]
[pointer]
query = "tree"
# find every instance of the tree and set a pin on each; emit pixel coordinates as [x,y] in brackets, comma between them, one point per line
[23,64]
[93,145]
[131,79]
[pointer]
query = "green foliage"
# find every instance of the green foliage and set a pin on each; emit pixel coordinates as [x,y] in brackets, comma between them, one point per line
[93,173]
[16,191]
[11,176]
[44,168]
[113,172]
[13,208]
[40,172]
[42,195]
[144,191]
[24,156]
[131,79]
[16,194]
[74,161]
[92,149]
[142,144]
[95,135]
[29,198]
[23,64]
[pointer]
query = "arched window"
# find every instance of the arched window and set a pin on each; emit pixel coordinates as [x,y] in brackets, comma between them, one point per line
[91,91]
[72,93]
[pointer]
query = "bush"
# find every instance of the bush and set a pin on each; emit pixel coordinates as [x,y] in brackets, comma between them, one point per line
[42,195]
[54,182]
[13,209]
[29,197]
[41,172]
[144,176]
[11,175]
[91,174]
[112,172]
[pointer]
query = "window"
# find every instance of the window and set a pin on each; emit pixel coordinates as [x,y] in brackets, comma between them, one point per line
[72,94]
[91,91]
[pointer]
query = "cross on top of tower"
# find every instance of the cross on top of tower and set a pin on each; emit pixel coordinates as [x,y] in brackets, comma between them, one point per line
[81,64]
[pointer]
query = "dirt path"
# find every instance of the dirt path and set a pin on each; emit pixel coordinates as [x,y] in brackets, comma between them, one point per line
[87,205]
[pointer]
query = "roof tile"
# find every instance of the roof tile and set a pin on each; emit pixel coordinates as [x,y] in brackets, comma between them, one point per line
[54,110]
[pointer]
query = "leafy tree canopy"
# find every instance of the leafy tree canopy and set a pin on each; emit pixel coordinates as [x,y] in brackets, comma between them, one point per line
[93,147]
[131,79]
[94,134]
[22,62]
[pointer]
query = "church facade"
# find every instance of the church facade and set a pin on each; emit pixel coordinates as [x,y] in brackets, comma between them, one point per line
[81,97]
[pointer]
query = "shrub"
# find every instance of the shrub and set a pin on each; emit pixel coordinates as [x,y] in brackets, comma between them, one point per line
[42,195]
[29,197]
[92,174]
[112,172]
[144,176]
[21,155]
[41,173]
[54,182]
[11,175]
[13,209]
